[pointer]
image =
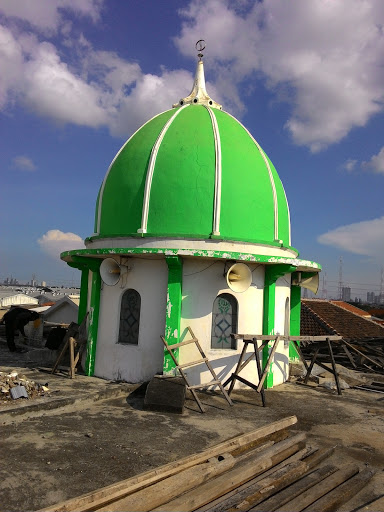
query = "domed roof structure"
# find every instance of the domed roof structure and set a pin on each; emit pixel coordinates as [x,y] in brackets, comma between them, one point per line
[196,172]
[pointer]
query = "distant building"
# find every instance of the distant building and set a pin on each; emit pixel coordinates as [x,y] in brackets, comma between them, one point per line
[370,297]
[13,298]
[346,293]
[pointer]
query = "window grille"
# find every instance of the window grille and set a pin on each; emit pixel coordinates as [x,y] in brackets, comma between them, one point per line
[224,322]
[130,317]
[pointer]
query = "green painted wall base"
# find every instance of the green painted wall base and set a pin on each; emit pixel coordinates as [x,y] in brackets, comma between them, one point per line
[295,320]
[86,265]
[173,311]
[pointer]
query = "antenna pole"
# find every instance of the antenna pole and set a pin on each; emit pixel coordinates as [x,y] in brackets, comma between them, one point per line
[340,278]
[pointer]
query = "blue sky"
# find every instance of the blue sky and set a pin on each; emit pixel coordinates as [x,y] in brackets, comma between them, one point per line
[306,77]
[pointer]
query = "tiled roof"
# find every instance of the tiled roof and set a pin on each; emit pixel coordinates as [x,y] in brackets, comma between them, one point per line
[320,317]
[352,309]
[310,324]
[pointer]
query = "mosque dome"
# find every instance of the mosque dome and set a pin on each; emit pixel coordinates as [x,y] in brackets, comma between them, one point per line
[193,172]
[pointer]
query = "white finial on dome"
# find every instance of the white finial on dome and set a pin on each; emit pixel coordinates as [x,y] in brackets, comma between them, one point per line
[199,95]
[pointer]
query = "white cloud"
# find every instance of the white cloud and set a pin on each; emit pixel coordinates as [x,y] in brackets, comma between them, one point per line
[48,14]
[376,163]
[52,90]
[349,165]
[54,242]
[328,57]
[23,163]
[12,60]
[365,238]
[151,95]
[103,90]
[323,58]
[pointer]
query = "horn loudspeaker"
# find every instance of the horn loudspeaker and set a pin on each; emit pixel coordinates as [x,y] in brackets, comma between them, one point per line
[110,271]
[239,277]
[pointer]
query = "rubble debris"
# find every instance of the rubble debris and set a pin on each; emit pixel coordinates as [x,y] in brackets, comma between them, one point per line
[14,385]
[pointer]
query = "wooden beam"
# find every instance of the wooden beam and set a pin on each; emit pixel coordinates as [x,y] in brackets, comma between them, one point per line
[99,497]
[240,474]
[211,507]
[255,493]
[280,499]
[161,492]
[308,497]
[333,500]
[272,484]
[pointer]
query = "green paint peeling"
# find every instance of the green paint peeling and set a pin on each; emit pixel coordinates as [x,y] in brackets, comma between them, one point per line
[200,253]
[93,323]
[272,273]
[85,265]
[173,311]
[83,295]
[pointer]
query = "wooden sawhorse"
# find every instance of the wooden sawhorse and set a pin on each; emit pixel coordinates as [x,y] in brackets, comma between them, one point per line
[252,339]
[265,339]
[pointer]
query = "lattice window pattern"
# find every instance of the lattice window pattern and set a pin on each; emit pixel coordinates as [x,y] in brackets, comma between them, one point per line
[224,322]
[130,317]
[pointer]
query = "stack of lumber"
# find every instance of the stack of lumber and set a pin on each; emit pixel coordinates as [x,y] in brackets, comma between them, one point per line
[270,468]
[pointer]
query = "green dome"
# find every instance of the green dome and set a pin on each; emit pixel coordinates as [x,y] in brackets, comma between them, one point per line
[194,172]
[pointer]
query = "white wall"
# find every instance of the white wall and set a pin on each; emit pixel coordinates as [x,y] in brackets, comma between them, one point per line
[133,363]
[202,282]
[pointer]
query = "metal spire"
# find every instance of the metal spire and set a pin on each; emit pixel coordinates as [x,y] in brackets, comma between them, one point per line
[199,95]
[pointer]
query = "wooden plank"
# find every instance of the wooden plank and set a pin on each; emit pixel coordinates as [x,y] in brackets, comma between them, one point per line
[266,369]
[238,366]
[98,497]
[349,355]
[241,473]
[211,507]
[161,492]
[72,344]
[319,490]
[243,500]
[299,455]
[374,505]
[333,500]
[334,367]
[271,484]
[204,385]
[191,363]
[181,344]
[361,353]
[318,456]
[280,499]
[268,337]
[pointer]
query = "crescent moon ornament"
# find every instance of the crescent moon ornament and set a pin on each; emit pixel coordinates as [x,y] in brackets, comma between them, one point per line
[200,46]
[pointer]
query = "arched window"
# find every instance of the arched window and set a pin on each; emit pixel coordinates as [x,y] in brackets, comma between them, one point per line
[224,321]
[130,317]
